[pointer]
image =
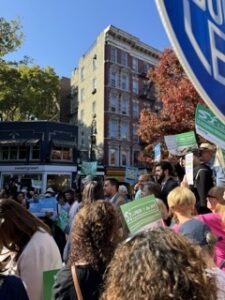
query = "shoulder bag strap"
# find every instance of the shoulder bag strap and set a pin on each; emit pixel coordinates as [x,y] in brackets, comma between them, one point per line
[76,283]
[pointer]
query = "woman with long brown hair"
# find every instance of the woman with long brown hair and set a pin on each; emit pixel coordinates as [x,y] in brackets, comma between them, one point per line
[94,236]
[29,239]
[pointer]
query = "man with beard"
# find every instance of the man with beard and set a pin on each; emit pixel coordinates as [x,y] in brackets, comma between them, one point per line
[164,176]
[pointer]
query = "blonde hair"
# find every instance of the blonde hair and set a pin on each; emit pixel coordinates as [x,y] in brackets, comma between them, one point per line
[218,192]
[181,198]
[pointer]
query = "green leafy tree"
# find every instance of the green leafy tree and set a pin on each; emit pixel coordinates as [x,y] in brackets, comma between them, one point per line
[26,91]
[11,36]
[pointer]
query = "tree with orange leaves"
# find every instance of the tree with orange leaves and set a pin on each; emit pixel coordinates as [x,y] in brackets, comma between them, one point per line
[179,99]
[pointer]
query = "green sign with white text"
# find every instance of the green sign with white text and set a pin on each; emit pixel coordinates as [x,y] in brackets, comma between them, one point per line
[181,143]
[141,214]
[209,126]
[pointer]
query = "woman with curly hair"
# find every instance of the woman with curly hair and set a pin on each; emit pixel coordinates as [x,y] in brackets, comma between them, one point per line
[93,241]
[156,265]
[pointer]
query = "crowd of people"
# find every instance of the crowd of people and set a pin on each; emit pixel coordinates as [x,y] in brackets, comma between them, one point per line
[86,239]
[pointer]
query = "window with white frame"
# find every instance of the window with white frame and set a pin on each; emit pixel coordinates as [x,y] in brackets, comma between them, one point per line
[124,105]
[94,62]
[113,102]
[135,64]
[124,81]
[94,81]
[124,157]
[135,86]
[113,56]
[114,75]
[82,73]
[93,107]
[124,58]
[124,130]
[113,156]
[13,152]
[82,95]
[135,110]
[113,128]
[61,153]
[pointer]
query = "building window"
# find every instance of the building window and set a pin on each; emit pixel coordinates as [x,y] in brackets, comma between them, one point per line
[136,158]
[82,73]
[94,81]
[113,102]
[113,77]
[13,153]
[61,153]
[124,130]
[113,54]
[113,157]
[146,68]
[113,128]
[135,86]
[135,64]
[82,115]
[94,62]
[81,95]
[135,133]
[135,110]
[124,81]
[124,58]
[35,152]
[93,107]
[124,105]
[124,158]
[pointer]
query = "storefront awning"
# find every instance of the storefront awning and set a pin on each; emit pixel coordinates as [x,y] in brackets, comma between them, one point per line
[32,141]
[12,142]
[64,143]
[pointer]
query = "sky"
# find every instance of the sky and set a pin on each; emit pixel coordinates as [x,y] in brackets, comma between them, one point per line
[58,32]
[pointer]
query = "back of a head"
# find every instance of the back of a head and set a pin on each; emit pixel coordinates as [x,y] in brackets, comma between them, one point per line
[159,264]
[123,189]
[92,191]
[181,198]
[94,233]
[17,225]
[154,188]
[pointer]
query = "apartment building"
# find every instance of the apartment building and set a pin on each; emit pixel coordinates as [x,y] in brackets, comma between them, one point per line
[109,89]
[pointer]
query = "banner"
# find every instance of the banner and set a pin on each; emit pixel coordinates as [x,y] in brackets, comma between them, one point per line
[131,175]
[179,144]
[209,126]
[89,168]
[141,214]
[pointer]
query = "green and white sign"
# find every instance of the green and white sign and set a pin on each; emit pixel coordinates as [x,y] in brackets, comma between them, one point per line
[141,214]
[181,143]
[89,167]
[131,175]
[209,126]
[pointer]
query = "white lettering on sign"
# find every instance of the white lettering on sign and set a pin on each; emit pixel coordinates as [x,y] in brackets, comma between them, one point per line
[216,9]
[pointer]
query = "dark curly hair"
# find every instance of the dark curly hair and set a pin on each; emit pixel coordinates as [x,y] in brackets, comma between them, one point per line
[94,235]
[158,265]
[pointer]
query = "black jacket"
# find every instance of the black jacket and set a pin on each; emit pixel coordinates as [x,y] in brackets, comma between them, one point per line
[89,280]
[203,182]
[168,187]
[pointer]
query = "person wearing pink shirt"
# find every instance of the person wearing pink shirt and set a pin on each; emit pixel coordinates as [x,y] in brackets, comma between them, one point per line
[216,222]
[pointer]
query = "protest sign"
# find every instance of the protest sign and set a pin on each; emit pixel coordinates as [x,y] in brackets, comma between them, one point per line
[189,168]
[89,167]
[131,175]
[179,144]
[48,281]
[209,126]
[43,206]
[141,214]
